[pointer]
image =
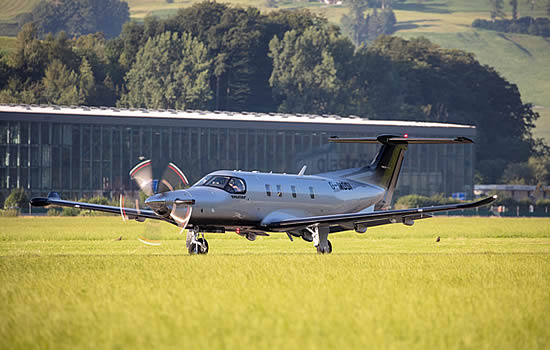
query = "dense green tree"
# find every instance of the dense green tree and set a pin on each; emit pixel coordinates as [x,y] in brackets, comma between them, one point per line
[29,58]
[233,39]
[451,86]
[304,74]
[61,85]
[86,81]
[535,171]
[80,17]
[16,91]
[171,71]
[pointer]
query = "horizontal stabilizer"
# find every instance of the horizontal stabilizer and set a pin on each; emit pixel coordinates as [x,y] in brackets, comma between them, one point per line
[396,140]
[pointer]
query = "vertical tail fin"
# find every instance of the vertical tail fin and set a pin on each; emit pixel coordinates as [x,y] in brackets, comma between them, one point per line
[384,169]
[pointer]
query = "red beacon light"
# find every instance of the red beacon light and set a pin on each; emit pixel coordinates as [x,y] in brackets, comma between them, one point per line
[406,135]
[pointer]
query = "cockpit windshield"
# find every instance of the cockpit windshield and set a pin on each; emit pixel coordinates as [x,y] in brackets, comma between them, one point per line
[226,183]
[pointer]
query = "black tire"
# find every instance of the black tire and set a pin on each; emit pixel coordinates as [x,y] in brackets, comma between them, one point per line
[328,251]
[204,244]
[193,249]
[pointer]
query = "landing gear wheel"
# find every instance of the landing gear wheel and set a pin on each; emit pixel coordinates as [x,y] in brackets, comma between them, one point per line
[327,250]
[199,247]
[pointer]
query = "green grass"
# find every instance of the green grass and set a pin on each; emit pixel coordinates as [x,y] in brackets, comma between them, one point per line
[7,45]
[65,283]
[12,8]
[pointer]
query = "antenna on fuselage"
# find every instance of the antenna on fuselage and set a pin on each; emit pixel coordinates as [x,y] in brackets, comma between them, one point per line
[302,171]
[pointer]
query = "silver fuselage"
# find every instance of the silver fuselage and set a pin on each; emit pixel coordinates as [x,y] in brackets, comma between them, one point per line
[275,197]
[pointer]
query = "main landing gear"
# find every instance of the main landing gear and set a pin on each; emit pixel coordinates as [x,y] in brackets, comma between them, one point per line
[320,238]
[196,244]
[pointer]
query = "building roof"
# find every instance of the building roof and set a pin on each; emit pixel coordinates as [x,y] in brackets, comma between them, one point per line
[218,116]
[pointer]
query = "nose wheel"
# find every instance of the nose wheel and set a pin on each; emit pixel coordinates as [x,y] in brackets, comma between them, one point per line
[199,247]
[196,244]
[319,237]
[327,249]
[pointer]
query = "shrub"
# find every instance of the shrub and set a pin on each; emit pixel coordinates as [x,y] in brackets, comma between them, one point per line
[17,199]
[9,213]
[70,212]
[415,200]
[54,212]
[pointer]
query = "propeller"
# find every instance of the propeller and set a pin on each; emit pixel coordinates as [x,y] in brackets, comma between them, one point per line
[172,179]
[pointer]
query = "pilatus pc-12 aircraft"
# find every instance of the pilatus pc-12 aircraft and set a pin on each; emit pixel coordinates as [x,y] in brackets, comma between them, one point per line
[254,203]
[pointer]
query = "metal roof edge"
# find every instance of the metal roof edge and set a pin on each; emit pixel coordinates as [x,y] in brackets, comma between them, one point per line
[104,111]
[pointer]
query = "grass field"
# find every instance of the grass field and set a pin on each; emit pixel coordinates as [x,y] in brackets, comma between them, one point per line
[66,283]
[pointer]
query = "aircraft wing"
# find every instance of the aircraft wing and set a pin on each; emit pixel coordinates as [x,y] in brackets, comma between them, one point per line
[132,213]
[375,218]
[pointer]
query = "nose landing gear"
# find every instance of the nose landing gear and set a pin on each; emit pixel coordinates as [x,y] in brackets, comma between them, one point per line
[196,244]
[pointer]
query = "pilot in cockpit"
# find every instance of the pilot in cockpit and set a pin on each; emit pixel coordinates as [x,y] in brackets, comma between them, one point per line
[236,185]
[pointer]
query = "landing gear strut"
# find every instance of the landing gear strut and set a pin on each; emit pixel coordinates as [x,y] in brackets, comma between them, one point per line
[320,239]
[196,244]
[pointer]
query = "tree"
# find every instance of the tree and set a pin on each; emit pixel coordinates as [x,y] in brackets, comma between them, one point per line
[304,73]
[496,8]
[365,29]
[16,91]
[29,57]
[535,171]
[17,199]
[354,23]
[452,86]
[532,4]
[86,81]
[61,85]
[80,17]
[171,71]
[514,4]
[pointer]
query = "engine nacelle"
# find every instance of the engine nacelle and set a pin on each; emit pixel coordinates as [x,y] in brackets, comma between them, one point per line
[360,228]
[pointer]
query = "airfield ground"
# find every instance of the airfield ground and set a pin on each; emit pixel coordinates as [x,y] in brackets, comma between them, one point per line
[67,282]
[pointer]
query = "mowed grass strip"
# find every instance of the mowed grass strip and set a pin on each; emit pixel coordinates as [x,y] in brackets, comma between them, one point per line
[65,283]
[290,301]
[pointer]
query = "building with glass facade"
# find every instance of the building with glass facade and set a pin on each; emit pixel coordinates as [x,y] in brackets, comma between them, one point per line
[84,151]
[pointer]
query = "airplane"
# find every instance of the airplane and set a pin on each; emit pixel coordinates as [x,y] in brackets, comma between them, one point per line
[253,204]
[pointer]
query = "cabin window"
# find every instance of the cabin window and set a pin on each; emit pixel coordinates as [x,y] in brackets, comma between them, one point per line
[268,190]
[311,192]
[279,191]
[293,189]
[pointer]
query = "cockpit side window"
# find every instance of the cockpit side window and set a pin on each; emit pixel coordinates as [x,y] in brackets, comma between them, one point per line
[226,183]
[235,185]
[202,181]
[217,181]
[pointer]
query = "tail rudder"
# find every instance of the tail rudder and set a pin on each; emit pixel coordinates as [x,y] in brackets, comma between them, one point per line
[384,169]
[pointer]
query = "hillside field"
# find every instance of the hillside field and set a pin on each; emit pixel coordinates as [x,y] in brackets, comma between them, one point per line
[69,283]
